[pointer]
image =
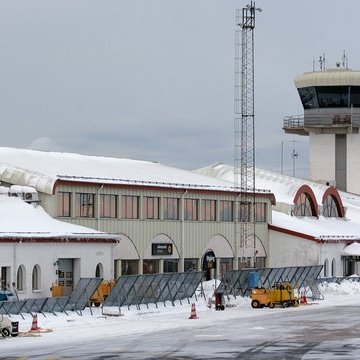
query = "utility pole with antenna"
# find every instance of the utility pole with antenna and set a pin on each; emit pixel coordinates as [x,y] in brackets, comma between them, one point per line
[244,132]
[294,155]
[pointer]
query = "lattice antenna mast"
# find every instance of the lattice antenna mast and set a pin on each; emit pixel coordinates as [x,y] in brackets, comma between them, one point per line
[244,132]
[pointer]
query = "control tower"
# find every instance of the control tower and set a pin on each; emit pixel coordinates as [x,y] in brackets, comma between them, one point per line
[331,119]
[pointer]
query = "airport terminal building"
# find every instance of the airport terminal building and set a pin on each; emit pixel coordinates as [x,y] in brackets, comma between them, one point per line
[166,219]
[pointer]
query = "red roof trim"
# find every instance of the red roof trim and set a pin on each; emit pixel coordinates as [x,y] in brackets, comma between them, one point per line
[56,240]
[294,233]
[310,237]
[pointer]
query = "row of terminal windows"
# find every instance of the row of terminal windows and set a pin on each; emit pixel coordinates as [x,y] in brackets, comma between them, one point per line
[314,97]
[156,208]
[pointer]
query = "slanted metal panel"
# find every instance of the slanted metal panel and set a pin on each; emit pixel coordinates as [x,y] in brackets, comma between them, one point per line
[153,288]
[34,305]
[235,282]
[122,291]
[81,295]
[12,307]
[56,304]
[164,293]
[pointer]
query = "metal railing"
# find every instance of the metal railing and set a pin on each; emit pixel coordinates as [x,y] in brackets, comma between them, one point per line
[293,121]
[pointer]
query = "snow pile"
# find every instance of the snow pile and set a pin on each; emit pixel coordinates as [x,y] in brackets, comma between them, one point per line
[345,287]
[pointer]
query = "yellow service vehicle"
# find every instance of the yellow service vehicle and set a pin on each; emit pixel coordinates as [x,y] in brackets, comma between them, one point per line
[280,294]
[102,292]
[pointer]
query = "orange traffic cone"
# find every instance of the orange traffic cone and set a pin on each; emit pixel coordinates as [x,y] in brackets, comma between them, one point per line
[34,325]
[303,299]
[193,312]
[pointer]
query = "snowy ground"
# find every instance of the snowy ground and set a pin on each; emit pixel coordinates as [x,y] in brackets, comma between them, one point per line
[73,328]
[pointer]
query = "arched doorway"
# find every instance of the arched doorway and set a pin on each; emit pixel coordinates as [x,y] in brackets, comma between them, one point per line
[209,264]
[99,271]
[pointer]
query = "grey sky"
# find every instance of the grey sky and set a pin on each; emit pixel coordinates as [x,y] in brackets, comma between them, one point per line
[153,79]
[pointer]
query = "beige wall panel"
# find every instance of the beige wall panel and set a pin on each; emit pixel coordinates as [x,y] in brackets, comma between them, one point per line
[189,238]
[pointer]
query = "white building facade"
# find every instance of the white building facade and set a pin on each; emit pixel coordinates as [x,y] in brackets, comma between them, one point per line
[312,224]
[37,251]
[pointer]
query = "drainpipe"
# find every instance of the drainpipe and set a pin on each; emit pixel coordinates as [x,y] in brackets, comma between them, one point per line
[182,258]
[98,207]
[14,280]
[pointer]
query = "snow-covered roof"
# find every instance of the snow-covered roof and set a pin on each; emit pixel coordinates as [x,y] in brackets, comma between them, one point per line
[41,170]
[285,188]
[352,250]
[19,219]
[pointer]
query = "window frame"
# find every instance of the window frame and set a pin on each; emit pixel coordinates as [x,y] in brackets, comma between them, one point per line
[244,211]
[171,208]
[225,210]
[61,207]
[191,209]
[21,278]
[85,205]
[208,210]
[130,207]
[260,212]
[36,278]
[111,210]
[151,206]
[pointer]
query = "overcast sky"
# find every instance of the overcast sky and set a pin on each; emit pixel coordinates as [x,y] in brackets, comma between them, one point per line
[153,79]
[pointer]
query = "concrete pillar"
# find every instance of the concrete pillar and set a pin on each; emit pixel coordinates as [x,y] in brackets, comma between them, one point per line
[141,266]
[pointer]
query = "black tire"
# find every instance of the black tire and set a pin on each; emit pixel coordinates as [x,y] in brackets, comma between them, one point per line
[285,304]
[5,332]
[255,304]
[271,305]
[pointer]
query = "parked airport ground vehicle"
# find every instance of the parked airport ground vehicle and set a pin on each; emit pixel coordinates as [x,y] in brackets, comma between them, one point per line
[280,294]
[8,327]
[6,295]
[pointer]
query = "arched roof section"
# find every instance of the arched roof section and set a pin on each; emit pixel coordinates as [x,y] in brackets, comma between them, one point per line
[306,190]
[125,249]
[331,191]
[221,246]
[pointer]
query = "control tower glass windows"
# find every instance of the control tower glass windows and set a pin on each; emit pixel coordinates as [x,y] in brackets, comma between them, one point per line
[355,96]
[330,97]
[308,97]
[333,96]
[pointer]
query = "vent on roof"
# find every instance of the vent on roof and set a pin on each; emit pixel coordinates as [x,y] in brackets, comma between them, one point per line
[26,193]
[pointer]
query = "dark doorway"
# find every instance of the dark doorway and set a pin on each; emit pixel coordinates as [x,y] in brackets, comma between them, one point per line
[209,265]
